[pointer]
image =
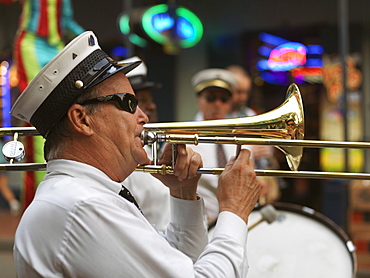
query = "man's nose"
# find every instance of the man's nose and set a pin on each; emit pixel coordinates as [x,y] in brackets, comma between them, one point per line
[141,116]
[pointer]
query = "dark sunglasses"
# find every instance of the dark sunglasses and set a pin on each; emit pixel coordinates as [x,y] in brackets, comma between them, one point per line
[212,98]
[126,101]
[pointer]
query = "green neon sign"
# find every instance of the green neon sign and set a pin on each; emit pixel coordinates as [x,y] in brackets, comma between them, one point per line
[187,26]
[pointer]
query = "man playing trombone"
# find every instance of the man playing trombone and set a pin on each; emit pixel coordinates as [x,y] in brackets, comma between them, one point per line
[78,224]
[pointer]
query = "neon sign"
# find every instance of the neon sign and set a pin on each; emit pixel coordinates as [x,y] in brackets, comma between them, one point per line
[182,26]
[287,56]
[124,26]
[282,58]
[163,24]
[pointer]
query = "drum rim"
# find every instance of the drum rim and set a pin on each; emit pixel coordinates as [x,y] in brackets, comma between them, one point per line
[311,213]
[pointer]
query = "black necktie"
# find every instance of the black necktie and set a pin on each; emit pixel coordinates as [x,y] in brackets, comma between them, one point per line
[221,158]
[125,193]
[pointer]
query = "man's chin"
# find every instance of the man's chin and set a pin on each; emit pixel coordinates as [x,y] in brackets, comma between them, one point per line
[144,159]
[217,117]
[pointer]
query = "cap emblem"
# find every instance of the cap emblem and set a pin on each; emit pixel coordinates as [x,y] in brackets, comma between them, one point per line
[91,40]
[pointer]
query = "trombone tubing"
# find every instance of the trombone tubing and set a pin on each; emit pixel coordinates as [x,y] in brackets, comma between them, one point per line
[165,170]
[168,170]
[22,131]
[195,139]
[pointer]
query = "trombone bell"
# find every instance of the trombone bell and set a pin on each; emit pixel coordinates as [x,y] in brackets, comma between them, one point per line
[284,122]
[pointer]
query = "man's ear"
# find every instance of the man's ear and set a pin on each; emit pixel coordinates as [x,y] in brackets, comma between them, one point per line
[79,119]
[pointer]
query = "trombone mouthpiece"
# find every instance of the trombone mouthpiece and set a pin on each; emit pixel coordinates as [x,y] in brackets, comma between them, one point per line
[149,137]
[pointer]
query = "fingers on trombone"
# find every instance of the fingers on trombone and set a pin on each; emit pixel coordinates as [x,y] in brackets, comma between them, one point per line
[238,148]
[180,167]
[241,161]
[195,163]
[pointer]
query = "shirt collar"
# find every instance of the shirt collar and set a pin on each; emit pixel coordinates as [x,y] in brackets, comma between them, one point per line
[81,170]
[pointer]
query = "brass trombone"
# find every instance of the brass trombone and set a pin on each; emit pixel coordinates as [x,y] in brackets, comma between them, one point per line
[282,127]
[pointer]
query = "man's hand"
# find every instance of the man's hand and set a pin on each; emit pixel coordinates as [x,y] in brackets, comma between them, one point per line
[183,184]
[238,189]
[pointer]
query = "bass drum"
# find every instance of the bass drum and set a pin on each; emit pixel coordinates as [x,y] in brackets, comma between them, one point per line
[300,243]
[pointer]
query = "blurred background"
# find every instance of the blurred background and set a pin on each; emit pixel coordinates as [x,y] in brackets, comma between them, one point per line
[311,43]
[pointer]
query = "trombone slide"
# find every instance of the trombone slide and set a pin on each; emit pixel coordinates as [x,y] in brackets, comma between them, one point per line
[168,170]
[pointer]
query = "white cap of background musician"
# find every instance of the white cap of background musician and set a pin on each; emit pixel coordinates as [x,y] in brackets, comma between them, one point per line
[138,76]
[214,78]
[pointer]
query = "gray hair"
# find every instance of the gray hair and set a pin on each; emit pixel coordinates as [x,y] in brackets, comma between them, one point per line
[56,142]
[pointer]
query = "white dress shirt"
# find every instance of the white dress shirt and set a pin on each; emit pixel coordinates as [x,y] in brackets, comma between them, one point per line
[243,112]
[78,226]
[152,196]
[208,183]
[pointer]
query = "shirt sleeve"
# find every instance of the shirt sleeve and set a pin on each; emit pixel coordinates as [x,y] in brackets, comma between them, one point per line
[226,254]
[187,230]
[114,239]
